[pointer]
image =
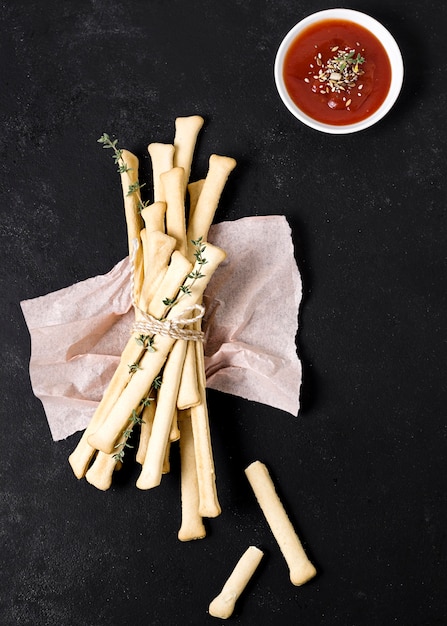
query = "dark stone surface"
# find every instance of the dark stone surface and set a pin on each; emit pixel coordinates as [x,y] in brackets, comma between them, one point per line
[362,469]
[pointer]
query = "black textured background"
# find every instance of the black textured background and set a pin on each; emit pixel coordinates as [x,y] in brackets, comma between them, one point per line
[362,469]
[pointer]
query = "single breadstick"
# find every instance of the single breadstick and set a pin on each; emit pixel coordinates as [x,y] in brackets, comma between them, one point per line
[192,526]
[151,471]
[209,504]
[175,200]
[129,178]
[169,286]
[188,393]
[300,568]
[131,207]
[162,156]
[147,416]
[186,131]
[206,475]
[154,217]
[223,605]
[202,217]
[151,363]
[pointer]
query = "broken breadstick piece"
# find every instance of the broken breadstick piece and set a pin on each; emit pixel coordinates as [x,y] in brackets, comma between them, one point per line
[162,156]
[192,526]
[300,568]
[223,605]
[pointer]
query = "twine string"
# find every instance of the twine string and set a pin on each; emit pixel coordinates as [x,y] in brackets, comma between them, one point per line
[169,327]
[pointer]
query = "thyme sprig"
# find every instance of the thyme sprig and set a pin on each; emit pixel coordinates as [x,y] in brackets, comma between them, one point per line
[134,188]
[135,418]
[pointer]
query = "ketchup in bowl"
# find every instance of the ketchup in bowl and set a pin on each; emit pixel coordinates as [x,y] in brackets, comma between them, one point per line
[339,71]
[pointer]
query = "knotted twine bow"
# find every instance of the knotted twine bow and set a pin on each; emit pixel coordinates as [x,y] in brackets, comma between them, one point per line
[169,327]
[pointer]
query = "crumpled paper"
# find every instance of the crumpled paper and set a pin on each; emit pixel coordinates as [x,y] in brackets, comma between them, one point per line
[251,321]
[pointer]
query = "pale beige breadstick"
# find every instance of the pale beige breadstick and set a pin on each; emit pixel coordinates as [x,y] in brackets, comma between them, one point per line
[223,605]
[205,197]
[162,157]
[202,217]
[134,223]
[300,568]
[175,206]
[192,526]
[151,363]
[188,393]
[186,132]
[206,476]
[151,471]
[209,504]
[147,416]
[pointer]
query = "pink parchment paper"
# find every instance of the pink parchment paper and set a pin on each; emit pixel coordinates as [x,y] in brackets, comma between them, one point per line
[251,322]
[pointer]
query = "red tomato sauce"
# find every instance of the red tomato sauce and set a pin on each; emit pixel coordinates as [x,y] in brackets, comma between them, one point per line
[318,54]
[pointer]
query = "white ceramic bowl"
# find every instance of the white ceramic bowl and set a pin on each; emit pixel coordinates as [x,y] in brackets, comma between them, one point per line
[380,32]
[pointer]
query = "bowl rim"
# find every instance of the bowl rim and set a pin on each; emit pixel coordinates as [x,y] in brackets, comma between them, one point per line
[385,37]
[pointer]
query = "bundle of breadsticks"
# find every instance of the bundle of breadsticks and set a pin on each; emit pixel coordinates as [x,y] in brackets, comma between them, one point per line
[158,387]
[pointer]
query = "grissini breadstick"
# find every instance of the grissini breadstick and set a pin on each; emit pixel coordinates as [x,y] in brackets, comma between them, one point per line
[186,132]
[202,217]
[162,157]
[151,471]
[223,605]
[204,201]
[206,475]
[151,363]
[172,181]
[82,455]
[134,223]
[300,568]
[192,526]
